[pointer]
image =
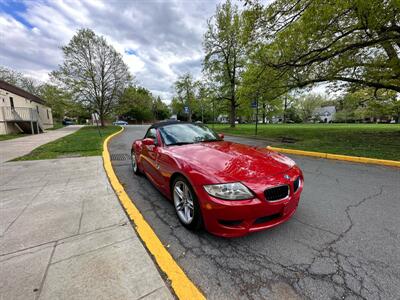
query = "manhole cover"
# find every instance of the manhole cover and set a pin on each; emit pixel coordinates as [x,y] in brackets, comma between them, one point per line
[120,156]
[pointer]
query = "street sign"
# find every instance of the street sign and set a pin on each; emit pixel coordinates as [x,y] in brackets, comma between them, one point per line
[254,104]
[186,109]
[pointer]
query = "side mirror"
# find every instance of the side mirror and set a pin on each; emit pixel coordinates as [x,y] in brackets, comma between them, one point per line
[148,142]
[221,136]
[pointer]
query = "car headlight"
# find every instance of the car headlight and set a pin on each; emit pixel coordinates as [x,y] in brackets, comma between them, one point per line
[229,191]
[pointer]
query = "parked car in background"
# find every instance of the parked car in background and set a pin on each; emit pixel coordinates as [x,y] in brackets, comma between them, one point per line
[67,122]
[230,189]
[120,123]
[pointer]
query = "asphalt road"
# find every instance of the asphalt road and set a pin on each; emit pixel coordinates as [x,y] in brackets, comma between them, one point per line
[343,242]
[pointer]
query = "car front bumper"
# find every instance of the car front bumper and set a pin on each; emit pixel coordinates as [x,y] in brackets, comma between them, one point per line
[237,218]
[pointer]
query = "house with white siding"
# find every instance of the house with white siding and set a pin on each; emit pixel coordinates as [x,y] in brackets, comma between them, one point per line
[21,111]
[325,114]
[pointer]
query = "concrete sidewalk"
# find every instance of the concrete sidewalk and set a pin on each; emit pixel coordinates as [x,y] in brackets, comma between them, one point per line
[64,235]
[10,149]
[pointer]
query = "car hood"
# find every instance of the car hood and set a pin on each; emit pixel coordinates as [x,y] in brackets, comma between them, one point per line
[231,161]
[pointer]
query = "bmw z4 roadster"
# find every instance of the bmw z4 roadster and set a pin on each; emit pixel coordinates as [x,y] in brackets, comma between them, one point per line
[229,189]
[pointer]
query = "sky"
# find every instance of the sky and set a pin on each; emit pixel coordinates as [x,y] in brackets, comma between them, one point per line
[159,40]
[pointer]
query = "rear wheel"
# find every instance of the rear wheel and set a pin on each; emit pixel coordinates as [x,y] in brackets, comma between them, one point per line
[186,205]
[135,166]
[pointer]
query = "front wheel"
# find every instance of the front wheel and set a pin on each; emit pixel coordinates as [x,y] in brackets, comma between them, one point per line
[134,163]
[186,205]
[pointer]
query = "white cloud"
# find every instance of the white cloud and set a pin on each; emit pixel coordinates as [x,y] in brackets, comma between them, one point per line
[159,40]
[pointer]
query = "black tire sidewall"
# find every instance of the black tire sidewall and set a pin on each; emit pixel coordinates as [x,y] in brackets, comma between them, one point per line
[137,172]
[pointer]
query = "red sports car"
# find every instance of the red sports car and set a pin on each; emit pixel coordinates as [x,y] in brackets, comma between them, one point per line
[230,189]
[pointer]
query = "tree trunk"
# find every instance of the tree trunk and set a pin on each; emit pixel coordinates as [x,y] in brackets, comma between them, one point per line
[102,121]
[284,110]
[101,117]
[232,116]
[190,115]
[263,113]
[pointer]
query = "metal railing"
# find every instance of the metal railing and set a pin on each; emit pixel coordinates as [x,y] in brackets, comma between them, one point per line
[20,114]
[23,114]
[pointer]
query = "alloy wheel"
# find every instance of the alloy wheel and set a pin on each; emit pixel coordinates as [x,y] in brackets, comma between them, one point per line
[134,163]
[183,201]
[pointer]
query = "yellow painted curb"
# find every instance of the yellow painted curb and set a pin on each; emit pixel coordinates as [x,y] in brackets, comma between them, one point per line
[365,160]
[181,284]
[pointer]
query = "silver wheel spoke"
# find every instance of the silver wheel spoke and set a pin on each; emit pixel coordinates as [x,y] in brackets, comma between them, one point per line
[187,213]
[179,192]
[179,206]
[190,203]
[185,191]
[183,202]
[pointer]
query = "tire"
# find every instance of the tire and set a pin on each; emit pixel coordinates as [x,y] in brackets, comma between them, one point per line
[134,164]
[186,205]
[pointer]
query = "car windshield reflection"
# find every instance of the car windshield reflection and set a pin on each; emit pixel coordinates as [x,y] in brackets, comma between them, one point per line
[183,134]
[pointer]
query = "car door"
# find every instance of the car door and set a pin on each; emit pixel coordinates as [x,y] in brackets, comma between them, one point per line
[151,155]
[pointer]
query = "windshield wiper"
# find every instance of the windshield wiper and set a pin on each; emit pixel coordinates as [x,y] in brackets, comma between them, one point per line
[180,143]
[206,141]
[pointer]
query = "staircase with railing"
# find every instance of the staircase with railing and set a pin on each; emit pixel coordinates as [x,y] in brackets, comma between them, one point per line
[26,119]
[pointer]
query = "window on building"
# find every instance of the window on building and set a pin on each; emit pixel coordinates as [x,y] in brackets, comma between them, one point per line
[37,109]
[48,116]
[12,103]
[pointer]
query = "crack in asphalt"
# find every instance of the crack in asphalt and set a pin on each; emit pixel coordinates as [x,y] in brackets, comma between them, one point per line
[263,265]
[290,274]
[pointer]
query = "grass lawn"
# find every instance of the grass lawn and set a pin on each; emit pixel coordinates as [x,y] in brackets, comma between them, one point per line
[368,140]
[11,136]
[85,142]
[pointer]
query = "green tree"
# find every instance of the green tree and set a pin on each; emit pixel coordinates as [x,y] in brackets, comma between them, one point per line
[346,42]
[263,88]
[205,105]
[186,89]
[307,104]
[58,99]
[20,80]
[94,72]
[368,104]
[160,109]
[225,53]
[292,114]
[136,103]
[177,108]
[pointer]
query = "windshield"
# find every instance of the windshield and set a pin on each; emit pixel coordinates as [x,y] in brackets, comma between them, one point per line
[180,134]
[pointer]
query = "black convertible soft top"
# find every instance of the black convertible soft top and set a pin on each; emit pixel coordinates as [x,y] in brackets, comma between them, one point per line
[165,123]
